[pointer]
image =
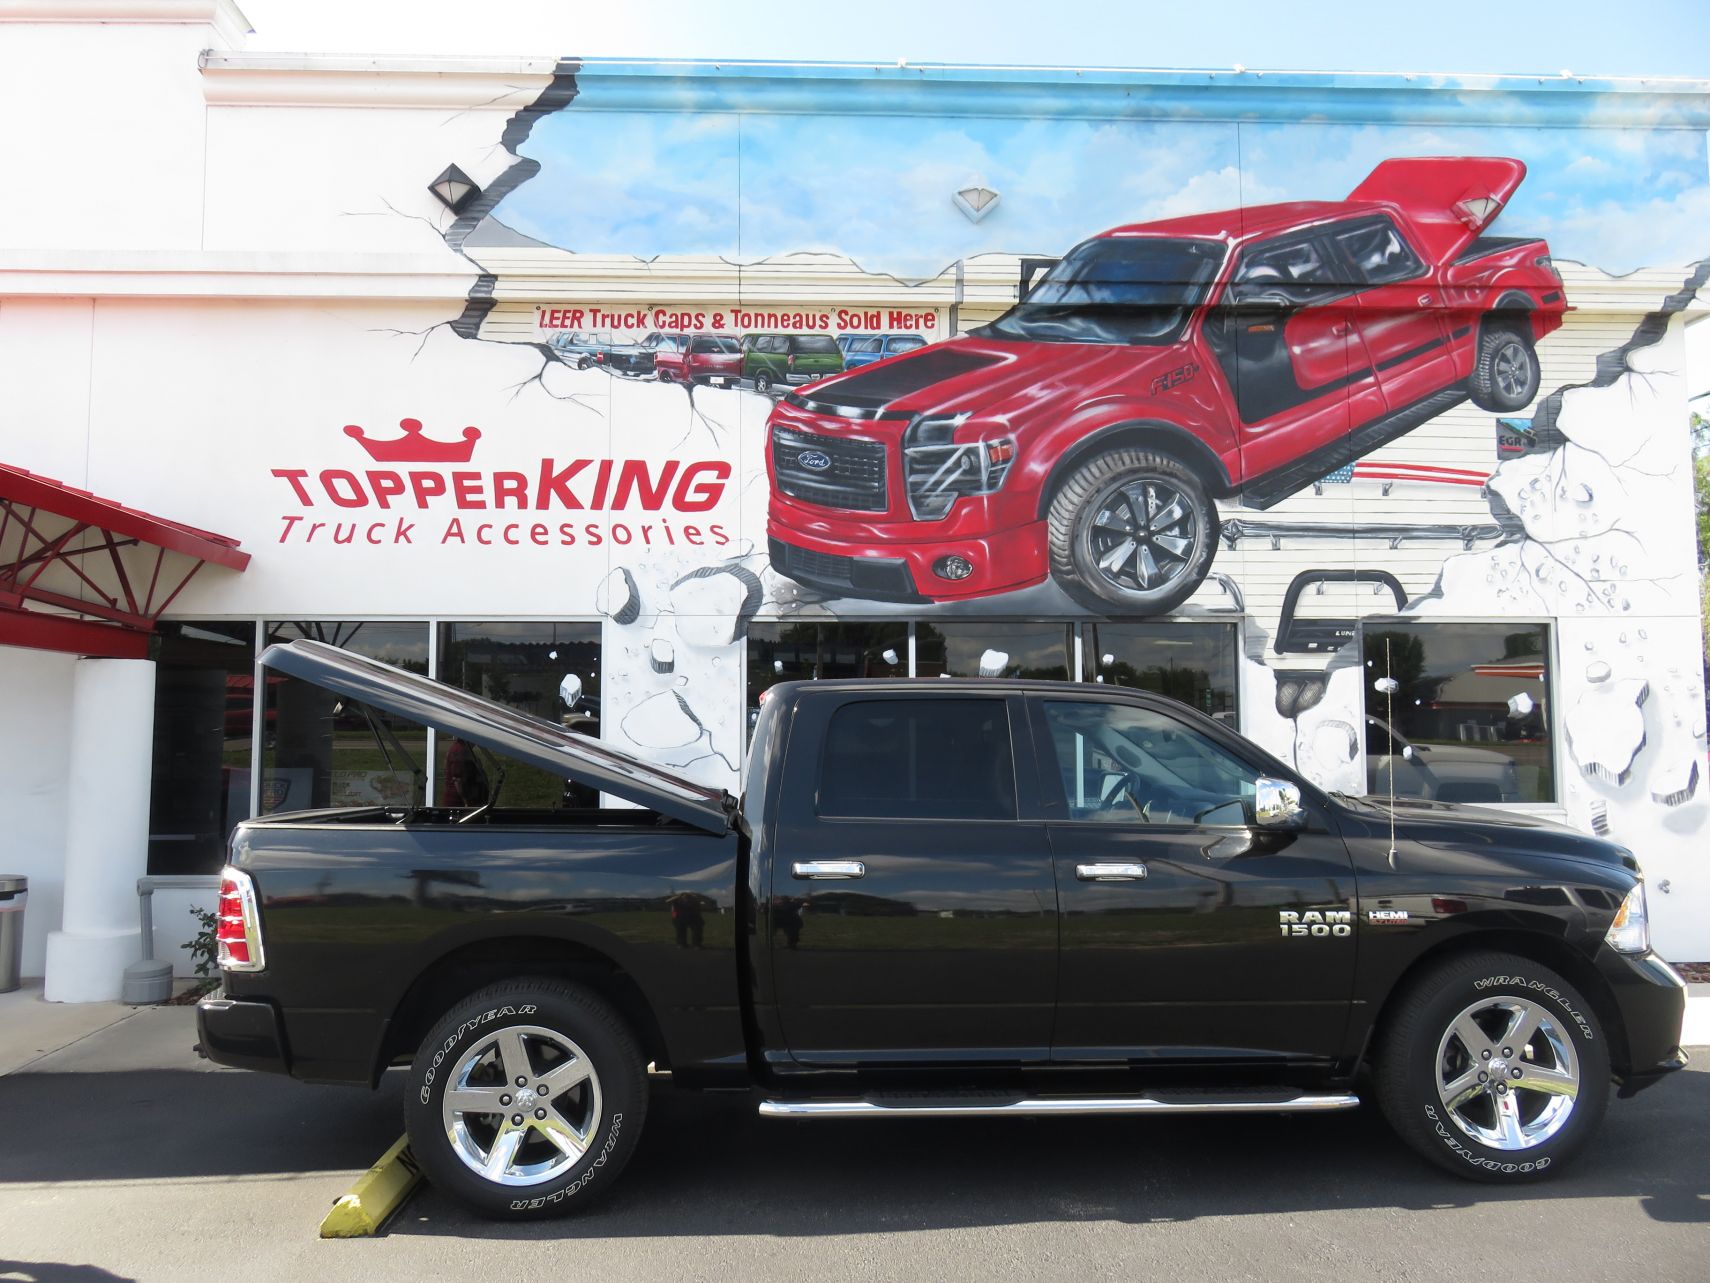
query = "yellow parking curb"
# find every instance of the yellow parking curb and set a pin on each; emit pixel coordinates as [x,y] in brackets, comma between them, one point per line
[378,1192]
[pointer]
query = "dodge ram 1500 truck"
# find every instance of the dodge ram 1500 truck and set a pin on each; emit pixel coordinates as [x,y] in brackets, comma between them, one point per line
[945,898]
[1240,355]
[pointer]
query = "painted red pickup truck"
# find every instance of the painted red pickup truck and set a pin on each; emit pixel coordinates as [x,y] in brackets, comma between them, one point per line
[700,358]
[1240,355]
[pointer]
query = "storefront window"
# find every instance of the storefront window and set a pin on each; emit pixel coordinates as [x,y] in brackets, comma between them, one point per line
[550,671]
[809,651]
[970,649]
[1469,720]
[1193,663]
[204,696]
[322,750]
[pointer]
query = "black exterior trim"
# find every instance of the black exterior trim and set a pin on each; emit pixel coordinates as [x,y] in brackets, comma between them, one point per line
[874,387]
[1411,353]
[1275,486]
[870,578]
[241,1035]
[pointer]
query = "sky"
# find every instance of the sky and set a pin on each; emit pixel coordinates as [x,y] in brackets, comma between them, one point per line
[1636,38]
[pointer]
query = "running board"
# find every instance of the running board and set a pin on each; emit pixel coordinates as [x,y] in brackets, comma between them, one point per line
[976,1106]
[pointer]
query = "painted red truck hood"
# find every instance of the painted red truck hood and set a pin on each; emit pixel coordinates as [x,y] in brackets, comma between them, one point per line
[996,378]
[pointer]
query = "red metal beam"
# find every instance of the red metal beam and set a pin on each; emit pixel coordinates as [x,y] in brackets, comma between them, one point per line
[24,487]
[37,631]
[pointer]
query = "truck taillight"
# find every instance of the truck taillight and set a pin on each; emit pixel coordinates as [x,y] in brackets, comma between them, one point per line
[238,932]
[790,361]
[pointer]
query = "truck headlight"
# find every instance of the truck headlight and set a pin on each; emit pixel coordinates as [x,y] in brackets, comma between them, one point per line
[938,471]
[1631,930]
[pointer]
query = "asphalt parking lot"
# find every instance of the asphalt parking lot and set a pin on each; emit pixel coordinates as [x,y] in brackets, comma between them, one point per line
[166,1168]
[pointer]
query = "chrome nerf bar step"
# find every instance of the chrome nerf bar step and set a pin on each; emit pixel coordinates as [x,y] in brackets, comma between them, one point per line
[977,1104]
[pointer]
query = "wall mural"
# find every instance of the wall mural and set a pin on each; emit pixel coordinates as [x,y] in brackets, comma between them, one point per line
[869,367]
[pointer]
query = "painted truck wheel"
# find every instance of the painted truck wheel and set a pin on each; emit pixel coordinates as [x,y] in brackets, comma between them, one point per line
[1131,532]
[1505,375]
[526,1100]
[1493,1067]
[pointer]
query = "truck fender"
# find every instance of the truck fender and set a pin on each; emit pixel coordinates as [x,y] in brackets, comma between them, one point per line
[466,958]
[1168,438]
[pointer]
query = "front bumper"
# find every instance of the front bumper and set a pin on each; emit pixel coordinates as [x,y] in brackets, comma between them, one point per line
[853,564]
[242,1035]
[1651,999]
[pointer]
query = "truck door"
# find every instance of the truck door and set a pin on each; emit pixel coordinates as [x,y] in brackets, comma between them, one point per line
[1398,309]
[1179,927]
[911,916]
[1286,340]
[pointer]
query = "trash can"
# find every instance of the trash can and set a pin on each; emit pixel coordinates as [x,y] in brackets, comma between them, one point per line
[13,892]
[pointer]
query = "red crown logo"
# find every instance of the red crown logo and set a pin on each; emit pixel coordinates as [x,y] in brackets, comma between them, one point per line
[413,447]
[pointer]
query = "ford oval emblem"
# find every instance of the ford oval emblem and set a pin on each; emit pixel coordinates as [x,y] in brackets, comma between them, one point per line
[815,460]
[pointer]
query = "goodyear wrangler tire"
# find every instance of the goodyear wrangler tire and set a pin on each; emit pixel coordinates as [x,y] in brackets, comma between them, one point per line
[1505,373]
[1131,532]
[1493,1067]
[526,1100]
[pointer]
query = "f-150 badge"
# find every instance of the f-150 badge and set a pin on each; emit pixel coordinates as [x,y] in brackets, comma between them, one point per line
[1315,922]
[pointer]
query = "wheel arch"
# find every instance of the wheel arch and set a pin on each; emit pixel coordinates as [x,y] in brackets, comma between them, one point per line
[1168,438]
[1536,946]
[1511,307]
[474,965]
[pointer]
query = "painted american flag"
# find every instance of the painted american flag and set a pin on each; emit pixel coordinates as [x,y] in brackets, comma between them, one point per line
[1383,470]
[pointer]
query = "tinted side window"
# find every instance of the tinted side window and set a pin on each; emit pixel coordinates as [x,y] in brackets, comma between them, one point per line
[905,343]
[1128,765]
[1377,253]
[918,759]
[703,345]
[1297,271]
[863,345]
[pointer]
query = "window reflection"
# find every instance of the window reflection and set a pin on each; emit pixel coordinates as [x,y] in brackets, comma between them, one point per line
[979,649]
[1193,663]
[204,692]
[812,651]
[324,750]
[1469,720]
[547,670]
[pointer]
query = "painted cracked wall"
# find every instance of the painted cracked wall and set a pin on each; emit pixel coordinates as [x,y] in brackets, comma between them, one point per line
[1567,506]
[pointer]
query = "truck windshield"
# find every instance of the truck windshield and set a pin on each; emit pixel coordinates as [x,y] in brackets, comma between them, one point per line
[1114,290]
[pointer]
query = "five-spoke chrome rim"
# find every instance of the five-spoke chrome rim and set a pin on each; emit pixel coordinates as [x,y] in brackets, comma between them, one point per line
[1513,370]
[1143,535]
[522,1105]
[1507,1073]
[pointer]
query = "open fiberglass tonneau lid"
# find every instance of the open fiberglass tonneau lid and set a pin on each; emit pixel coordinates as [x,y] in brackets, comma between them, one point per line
[501,730]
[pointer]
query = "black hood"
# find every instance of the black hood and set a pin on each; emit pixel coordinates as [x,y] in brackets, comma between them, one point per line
[1512,836]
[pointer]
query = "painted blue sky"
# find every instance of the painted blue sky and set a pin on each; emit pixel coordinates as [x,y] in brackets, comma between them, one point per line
[878,187]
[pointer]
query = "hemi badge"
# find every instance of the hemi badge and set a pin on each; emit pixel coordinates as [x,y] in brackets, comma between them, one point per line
[1386,915]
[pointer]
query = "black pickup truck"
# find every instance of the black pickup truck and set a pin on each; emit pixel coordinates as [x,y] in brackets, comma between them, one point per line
[932,899]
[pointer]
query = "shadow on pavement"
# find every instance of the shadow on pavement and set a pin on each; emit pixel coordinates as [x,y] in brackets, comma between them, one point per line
[709,1166]
[50,1272]
[120,1126]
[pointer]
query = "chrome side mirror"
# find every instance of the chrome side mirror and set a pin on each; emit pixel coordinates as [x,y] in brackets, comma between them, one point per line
[1276,804]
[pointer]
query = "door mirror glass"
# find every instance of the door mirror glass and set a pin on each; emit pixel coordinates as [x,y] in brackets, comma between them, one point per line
[1276,804]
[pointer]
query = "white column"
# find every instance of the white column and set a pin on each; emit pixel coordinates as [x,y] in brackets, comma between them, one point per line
[106,839]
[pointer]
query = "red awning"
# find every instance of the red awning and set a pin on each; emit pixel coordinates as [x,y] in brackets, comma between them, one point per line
[89,575]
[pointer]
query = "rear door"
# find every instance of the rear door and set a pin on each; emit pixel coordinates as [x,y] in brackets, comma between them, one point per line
[1179,926]
[1398,309]
[1287,341]
[911,916]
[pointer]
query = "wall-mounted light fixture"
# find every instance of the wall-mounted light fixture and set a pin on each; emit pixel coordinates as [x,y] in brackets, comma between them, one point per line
[454,188]
[976,200]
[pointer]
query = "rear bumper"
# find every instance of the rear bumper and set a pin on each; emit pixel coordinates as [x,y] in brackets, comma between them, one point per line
[242,1035]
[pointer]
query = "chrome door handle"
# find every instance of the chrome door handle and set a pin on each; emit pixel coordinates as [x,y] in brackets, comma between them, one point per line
[1424,300]
[820,870]
[1110,872]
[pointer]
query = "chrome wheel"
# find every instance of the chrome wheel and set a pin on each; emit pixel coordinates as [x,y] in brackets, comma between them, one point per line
[1507,1073]
[1512,370]
[521,1106]
[1143,535]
